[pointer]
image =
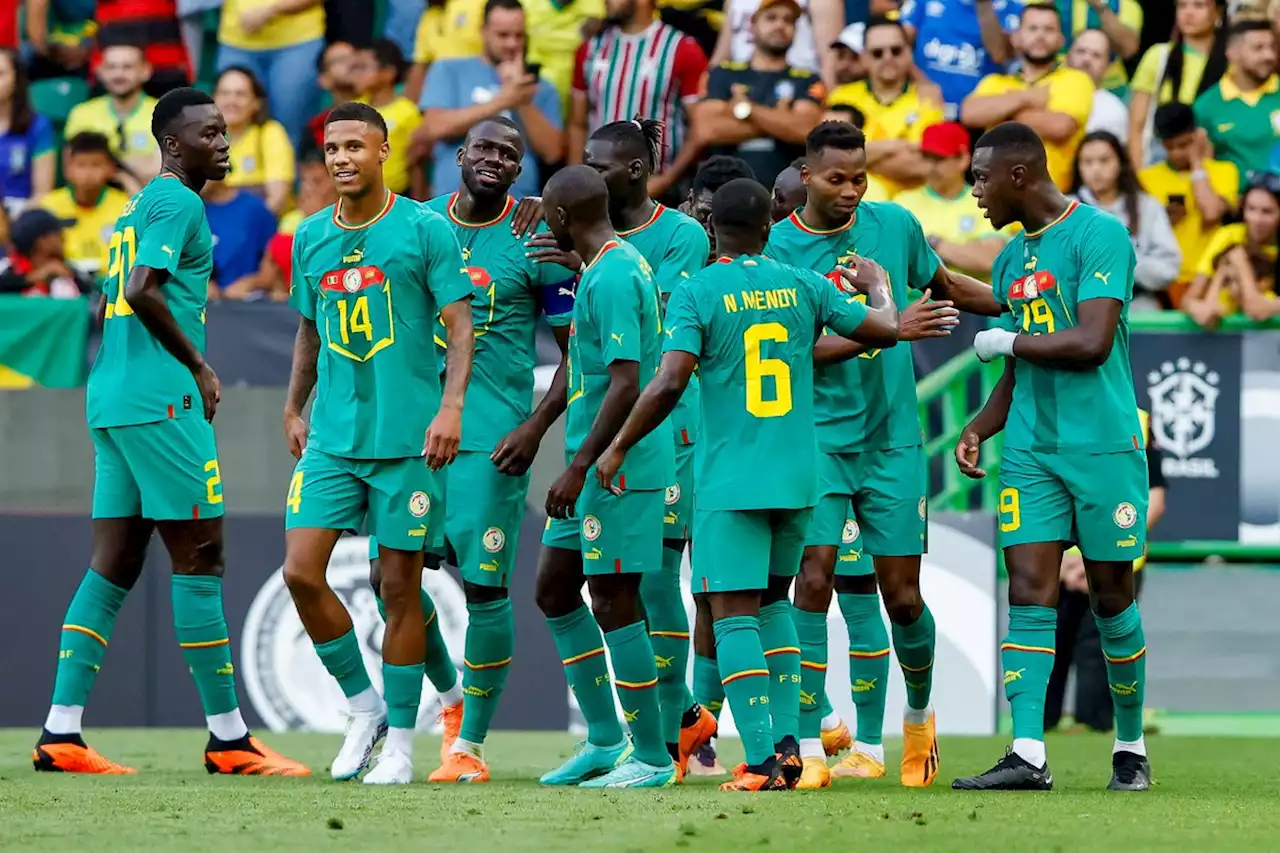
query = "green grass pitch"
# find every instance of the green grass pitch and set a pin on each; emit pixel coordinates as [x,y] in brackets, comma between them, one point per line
[1210,795]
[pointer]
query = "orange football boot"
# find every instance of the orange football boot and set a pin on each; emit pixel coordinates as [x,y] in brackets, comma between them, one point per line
[835,741]
[70,754]
[694,737]
[919,753]
[461,767]
[745,780]
[249,756]
[450,717]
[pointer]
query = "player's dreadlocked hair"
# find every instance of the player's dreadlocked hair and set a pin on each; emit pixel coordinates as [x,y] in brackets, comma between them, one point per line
[170,106]
[718,171]
[834,134]
[641,137]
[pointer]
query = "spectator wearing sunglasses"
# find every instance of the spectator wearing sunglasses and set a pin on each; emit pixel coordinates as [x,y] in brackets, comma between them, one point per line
[123,114]
[895,112]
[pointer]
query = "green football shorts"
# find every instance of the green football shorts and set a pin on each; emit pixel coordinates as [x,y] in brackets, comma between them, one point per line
[333,493]
[616,534]
[435,538]
[883,492]
[166,471]
[850,560]
[1098,501]
[738,549]
[483,523]
[679,496]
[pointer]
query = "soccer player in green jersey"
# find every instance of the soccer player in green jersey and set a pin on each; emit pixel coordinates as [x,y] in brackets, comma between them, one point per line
[150,403]
[750,324]
[370,276]
[873,469]
[500,436]
[1074,467]
[614,540]
[789,191]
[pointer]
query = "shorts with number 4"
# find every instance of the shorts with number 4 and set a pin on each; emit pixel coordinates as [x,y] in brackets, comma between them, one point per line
[883,493]
[1098,501]
[616,534]
[483,523]
[335,493]
[739,549]
[165,471]
[679,496]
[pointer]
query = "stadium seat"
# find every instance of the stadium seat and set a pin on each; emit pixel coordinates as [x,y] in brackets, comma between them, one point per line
[54,98]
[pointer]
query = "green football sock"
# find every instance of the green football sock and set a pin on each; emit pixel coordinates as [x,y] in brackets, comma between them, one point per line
[745,676]
[636,678]
[811,633]
[206,646]
[782,654]
[581,649]
[1026,655]
[439,667]
[669,634]
[402,686]
[343,660]
[868,663]
[491,637]
[914,645]
[707,689]
[1125,649]
[86,630]
[825,708]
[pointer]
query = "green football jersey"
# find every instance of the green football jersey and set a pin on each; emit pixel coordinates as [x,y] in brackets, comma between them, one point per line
[1043,277]
[134,379]
[374,292]
[868,402]
[752,323]
[511,291]
[676,247]
[617,316]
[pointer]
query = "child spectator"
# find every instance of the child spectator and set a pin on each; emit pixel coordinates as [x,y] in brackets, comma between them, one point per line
[37,266]
[315,193]
[26,142]
[1237,272]
[376,72]
[241,225]
[261,155]
[87,206]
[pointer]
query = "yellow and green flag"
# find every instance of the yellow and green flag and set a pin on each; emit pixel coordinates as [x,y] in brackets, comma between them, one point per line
[43,342]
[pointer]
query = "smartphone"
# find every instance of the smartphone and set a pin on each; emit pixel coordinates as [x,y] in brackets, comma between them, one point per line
[1178,198]
[534,69]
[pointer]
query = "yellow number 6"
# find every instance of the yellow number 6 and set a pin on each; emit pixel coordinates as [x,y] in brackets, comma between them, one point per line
[758,368]
[1009,509]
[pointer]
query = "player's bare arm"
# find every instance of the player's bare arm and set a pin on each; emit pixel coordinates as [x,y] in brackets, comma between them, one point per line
[966,293]
[445,432]
[302,379]
[880,328]
[988,422]
[922,319]
[1084,346]
[144,295]
[624,390]
[515,452]
[656,402]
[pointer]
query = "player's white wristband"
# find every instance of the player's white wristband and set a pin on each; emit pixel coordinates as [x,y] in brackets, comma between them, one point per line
[990,343]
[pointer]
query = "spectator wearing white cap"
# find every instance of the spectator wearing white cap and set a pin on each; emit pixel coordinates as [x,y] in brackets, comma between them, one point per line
[820,23]
[1091,53]
[847,62]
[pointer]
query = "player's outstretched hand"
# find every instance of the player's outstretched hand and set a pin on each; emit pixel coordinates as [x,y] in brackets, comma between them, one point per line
[295,434]
[443,437]
[543,249]
[562,497]
[210,390]
[967,451]
[990,343]
[925,319]
[527,216]
[607,469]
[862,276]
[515,452]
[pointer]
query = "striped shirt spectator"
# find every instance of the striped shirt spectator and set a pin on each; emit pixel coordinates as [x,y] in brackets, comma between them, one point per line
[153,26]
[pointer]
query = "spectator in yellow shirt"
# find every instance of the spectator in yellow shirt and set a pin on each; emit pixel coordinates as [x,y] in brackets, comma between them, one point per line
[1237,272]
[376,71]
[123,115]
[448,29]
[955,226]
[1054,100]
[894,111]
[261,154]
[554,31]
[1196,191]
[87,205]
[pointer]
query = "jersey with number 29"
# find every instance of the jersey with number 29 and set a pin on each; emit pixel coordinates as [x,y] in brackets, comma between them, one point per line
[135,380]
[374,291]
[752,323]
[1043,277]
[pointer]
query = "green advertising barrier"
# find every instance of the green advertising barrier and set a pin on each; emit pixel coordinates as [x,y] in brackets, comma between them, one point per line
[43,342]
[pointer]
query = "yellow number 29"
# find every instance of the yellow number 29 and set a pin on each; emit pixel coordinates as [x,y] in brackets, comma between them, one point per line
[1010,514]
[1037,313]
[121,252]
[758,368]
[356,321]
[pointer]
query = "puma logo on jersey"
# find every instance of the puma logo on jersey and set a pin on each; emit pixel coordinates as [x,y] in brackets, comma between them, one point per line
[354,258]
[166,250]
[617,338]
[566,291]
[1103,277]
[670,330]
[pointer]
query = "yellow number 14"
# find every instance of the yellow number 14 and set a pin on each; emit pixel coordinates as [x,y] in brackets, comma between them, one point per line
[355,321]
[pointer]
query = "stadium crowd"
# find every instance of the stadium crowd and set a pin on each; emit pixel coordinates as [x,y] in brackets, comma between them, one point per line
[1171,125]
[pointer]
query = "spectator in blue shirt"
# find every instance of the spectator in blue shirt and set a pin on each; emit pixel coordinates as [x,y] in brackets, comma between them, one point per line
[26,140]
[242,226]
[461,92]
[958,42]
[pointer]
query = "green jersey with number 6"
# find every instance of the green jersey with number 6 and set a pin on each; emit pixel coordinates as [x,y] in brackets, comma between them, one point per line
[676,247]
[510,292]
[752,323]
[617,316]
[868,402]
[1043,277]
[374,292]
[134,379]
